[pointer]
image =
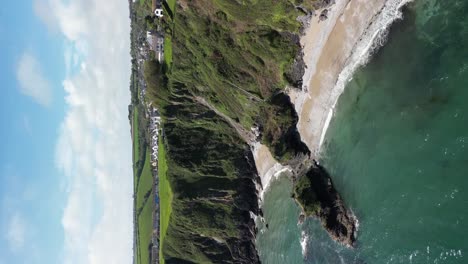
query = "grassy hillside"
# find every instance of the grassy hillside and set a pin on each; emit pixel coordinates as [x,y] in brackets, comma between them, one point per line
[145,227]
[145,183]
[136,146]
[165,194]
[211,174]
[238,56]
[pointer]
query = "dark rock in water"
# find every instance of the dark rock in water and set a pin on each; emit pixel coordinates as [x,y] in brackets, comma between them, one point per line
[324,15]
[315,192]
[301,219]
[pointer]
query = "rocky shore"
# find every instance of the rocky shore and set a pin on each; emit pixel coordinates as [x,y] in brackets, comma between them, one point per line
[332,40]
[335,41]
[317,196]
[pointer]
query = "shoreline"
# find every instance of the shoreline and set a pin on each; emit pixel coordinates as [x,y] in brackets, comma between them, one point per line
[268,168]
[329,66]
[362,26]
[332,50]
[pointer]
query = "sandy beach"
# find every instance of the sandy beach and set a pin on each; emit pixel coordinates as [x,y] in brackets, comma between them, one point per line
[333,49]
[267,167]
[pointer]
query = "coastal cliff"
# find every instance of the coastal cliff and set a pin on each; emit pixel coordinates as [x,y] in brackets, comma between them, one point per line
[213,178]
[317,197]
[220,93]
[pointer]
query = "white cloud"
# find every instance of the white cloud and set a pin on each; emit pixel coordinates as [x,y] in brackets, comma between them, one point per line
[16,232]
[94,146]
[32,81]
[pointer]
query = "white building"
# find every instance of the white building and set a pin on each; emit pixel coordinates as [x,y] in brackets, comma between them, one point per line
[158,12]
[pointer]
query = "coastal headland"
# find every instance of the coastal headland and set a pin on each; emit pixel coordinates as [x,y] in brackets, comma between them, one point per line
[337,39]
[245,95]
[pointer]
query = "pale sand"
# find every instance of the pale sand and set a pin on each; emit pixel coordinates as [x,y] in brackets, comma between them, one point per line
[267,167]
[327,47]
[332,50]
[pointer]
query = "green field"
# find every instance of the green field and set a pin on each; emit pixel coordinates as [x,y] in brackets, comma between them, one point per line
[168,51]
[165,195]
[145,227]
[145,183]
[136,141]
[144,206]
[171,4]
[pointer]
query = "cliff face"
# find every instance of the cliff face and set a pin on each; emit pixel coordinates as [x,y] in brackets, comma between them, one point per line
[213,178]
[231,62]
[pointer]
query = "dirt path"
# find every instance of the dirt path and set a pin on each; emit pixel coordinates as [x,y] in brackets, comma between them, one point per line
[246,135]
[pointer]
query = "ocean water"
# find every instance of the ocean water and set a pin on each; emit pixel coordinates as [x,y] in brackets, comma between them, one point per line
[397,151]
[279,243]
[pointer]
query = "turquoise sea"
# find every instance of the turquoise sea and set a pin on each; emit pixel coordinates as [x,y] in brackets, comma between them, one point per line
[397,151]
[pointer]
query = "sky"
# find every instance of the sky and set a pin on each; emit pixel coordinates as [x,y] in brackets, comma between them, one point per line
[65,159]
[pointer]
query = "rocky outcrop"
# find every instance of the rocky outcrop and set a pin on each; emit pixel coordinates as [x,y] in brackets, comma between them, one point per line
[317,196]
[296,72]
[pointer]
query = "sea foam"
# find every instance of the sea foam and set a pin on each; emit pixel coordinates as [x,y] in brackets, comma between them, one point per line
[304,241]
[374,37]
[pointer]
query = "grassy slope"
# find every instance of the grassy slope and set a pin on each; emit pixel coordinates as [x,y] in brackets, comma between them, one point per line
[136,155]
[136,145]
[168,50]
[145,227]
[229,58]
[146,182]
[165,194]
[208,173]
[172,4]
[144,211]
[235,55]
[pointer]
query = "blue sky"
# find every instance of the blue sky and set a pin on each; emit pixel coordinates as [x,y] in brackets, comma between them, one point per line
[65,161]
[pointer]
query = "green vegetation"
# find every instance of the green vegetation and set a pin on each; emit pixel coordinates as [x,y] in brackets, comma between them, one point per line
[230,58]
[209,173]
[168,51]
[172,5]
[145,183]
[143,207]
[145,228]
[165,196]
[306,196]
[147,4]
[237,56]
[279,130]
[136,144]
